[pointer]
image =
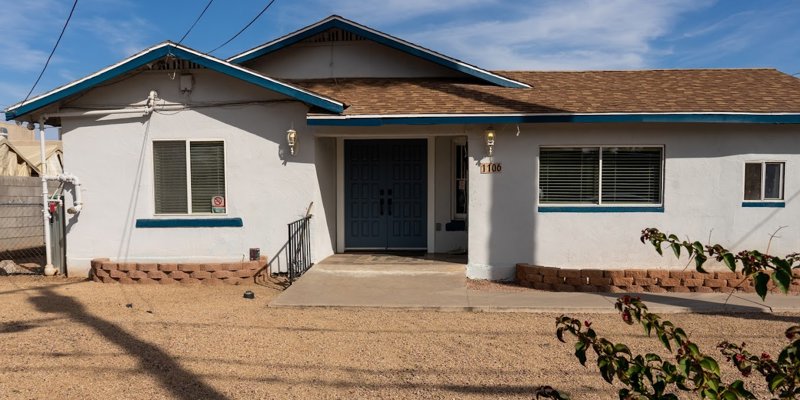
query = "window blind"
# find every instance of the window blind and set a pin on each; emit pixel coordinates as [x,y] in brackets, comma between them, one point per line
[208,174]
[631,175]
[169,167]
[569,175]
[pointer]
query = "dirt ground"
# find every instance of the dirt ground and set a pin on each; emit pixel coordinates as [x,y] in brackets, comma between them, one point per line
[71,339]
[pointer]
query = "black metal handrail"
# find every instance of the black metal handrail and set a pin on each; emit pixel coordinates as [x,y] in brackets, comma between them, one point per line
[298,252]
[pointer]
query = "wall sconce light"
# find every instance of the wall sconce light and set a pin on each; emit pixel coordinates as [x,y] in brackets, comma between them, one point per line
[291,139]
[490,140]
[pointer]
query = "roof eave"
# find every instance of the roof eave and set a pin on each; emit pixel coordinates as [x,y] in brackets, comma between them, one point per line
[161,50]
[522,118]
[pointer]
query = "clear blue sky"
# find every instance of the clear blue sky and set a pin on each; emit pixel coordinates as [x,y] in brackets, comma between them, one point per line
[495,34]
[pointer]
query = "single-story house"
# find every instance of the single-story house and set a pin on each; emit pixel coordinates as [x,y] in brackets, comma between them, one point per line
[184,157]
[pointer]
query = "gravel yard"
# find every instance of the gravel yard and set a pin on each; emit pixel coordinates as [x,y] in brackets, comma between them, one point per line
[80,340]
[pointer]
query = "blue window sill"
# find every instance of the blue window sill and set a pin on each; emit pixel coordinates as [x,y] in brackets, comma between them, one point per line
[190,223]
[764,204]
[599,209]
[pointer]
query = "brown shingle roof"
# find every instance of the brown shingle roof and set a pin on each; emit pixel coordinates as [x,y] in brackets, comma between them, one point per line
[651,91]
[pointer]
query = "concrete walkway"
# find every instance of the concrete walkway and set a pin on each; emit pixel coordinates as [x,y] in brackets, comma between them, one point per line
[420,283]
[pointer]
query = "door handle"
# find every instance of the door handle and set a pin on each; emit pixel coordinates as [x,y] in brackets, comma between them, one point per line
[381,202]
[390,206]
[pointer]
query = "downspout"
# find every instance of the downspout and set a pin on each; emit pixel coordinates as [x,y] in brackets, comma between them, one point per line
[49,270]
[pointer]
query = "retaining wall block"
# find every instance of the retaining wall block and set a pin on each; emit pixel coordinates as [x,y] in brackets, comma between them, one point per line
[246,273]
[601,281]
[681,274]
[552,280]
[146,267]
[126,267]
[190,267]
[116,274]
[592,273]
[168,267]
[614,273]
[692,282]
[576,281]
[657,273]
[644,281]
[715,283]
[547,271]
[156,275]
[636,273]
[137,274]
[669,282]
[569,273]
[530,276]
[622,281]
[221,274]
[200,275]
[108,266]
[178,275]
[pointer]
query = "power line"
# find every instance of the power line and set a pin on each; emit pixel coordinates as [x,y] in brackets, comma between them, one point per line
[69,17]
[195,21]
[245,27]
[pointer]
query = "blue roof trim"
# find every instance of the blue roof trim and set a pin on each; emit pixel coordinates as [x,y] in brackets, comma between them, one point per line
[559,118]
[57,95]
[162,51]
[190,223]
[764,204]
[600,209]
[397,44]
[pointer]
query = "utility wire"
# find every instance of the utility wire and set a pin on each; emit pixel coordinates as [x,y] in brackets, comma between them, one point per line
[195,21]
[69,17]
[245,27]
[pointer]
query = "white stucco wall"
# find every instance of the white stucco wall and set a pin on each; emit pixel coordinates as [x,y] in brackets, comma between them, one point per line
[345,59]
[266,187]
[702,197]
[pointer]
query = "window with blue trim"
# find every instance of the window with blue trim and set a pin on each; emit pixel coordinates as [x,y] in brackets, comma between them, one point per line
[189,176]
[601,175]
[763,181]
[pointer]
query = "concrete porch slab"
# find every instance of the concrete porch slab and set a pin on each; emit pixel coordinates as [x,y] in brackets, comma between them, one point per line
[441,285]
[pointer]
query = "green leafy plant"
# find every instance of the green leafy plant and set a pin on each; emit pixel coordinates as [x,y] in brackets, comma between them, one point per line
[650,376]
[760,267]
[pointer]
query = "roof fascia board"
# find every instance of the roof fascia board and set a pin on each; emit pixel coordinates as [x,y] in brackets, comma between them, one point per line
[379,37]
[124,66]
[451,119]
[159,51]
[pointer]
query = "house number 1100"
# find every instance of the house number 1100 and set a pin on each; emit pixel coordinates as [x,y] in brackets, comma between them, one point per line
[491,168]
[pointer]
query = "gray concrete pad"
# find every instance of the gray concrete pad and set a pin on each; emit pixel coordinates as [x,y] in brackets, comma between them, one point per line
[437,285]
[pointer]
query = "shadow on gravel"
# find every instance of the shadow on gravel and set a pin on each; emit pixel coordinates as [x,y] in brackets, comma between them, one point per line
[152,360]
[700,306]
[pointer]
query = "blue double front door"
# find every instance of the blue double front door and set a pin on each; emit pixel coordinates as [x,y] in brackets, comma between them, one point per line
[385,194]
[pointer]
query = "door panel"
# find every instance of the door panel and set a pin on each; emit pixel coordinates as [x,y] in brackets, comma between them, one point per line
[385,194]
[364,226]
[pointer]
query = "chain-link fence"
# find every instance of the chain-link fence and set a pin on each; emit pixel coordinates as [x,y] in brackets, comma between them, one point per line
[22,247]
